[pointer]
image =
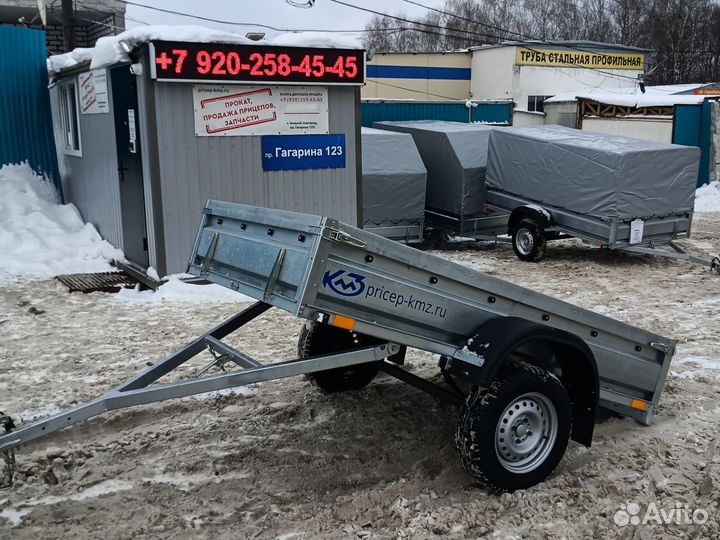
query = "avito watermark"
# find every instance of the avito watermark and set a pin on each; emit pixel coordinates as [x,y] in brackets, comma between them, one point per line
[678,514]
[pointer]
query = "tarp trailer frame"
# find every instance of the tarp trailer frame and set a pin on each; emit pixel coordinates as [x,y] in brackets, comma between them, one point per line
[504,219]
[531,225]
[528,371]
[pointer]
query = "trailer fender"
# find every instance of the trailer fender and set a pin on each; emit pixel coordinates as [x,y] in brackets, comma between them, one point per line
[506,339]
[532,211]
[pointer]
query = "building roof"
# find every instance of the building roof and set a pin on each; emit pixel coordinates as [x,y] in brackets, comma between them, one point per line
[569,44]
[455,51]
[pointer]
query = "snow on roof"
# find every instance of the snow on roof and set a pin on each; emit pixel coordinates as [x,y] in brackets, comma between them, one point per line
[654,96]
[108,50]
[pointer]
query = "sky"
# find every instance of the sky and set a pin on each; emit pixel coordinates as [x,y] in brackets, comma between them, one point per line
[323,15]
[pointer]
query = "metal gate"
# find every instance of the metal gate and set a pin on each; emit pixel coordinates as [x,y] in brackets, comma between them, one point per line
[693,127]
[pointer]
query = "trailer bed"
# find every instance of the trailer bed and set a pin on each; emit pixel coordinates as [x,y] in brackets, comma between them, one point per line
[320,269]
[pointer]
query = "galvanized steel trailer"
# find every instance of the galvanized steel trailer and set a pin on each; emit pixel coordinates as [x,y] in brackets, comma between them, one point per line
[527,370]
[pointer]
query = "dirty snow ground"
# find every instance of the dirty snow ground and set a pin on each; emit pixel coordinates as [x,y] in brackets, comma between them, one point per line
[279,460]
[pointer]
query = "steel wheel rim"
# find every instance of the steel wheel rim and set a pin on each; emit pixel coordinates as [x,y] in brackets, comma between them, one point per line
[525,241]
[526,433]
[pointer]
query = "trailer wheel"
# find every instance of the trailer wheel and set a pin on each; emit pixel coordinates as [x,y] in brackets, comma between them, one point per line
[528,240]
[513,434]
[318,339]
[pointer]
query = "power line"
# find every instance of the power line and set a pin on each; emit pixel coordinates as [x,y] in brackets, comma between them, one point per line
[518,34]
[112,9]
[524,36]
[411,90]
[469,32]
[410,21]
[255,25]
[504,30]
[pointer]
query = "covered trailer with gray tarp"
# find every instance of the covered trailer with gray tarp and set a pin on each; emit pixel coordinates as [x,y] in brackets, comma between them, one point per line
[455,156]
[393,185]
[609,191]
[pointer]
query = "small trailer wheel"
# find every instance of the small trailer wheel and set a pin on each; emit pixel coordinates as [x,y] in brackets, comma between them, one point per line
[513,434]
[317,339]
[528,240]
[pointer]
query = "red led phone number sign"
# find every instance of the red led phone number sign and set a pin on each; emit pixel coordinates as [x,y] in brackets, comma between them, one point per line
[178,61]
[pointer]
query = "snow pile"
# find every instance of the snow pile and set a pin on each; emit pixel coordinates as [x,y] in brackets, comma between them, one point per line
[175,290]
[40,238]
[108,50]
[707,198]
[77,56]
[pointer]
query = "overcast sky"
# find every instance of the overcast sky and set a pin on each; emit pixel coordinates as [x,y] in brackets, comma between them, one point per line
[324,15]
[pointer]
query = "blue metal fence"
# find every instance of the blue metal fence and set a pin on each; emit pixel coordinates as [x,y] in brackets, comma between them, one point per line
[455,111]
[493,113]
[25,120]
[693,127]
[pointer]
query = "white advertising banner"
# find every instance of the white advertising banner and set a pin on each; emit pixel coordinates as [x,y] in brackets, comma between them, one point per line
[93,92]
[232,110]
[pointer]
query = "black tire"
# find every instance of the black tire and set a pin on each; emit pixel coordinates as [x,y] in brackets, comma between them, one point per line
[432,240]
[538,401]
[317,339]
[529,241]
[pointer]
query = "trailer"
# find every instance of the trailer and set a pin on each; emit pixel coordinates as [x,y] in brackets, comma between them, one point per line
[393,186]
[455,155]
[527,371]
[527,186]
[610,192]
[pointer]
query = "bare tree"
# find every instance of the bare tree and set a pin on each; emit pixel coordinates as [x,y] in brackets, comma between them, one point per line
[684,33]
[630,19]
[597,23]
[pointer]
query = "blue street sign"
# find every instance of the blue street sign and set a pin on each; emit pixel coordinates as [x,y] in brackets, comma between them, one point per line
[293,152]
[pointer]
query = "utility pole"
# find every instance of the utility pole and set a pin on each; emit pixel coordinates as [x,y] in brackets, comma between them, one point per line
[68,27]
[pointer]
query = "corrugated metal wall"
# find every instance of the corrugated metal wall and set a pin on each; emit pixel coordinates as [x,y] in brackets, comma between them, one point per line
[492,113]
[91,181]
[693,127]
[453,111]
[27,133]
[193,169]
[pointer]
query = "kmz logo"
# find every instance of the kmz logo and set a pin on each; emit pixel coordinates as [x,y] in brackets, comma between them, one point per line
[344,283]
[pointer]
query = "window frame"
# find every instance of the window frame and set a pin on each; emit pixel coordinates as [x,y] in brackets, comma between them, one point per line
[537,101]
[69,106]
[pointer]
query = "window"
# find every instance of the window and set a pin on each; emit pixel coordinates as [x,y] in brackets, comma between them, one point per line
[69,118]
[535,103]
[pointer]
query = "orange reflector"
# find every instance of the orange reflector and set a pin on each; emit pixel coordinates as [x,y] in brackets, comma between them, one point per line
[344,322]
[639,405]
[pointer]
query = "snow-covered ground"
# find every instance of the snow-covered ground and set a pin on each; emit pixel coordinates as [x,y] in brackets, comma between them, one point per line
[40,239]
[280,460]
[707,198]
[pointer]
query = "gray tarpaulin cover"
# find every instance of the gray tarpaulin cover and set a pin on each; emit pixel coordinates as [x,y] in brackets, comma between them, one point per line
[455,155]
[393,177]
[604,176]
